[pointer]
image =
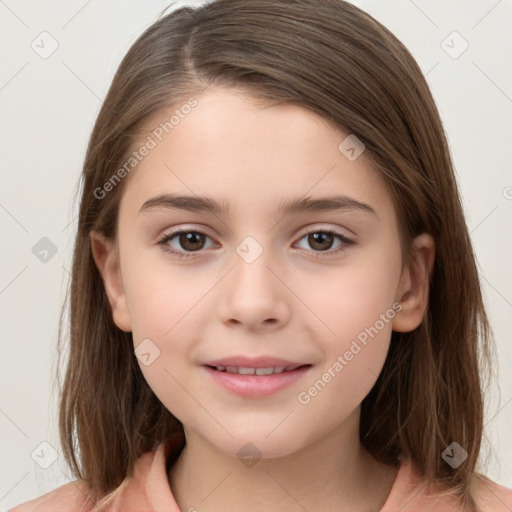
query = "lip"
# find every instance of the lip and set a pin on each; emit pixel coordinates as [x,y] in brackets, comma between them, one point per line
[253,362]
[256,386]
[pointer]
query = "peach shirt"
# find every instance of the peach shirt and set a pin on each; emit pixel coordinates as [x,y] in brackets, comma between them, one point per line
[148,491]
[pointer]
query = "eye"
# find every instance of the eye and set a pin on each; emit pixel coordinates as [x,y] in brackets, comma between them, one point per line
[193,241]
[322,240]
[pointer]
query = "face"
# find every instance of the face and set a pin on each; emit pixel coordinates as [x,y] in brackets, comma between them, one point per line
[320,287]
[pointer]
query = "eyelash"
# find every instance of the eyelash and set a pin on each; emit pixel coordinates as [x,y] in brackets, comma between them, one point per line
[168,237]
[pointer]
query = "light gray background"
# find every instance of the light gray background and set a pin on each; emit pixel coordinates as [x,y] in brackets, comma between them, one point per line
[48,107]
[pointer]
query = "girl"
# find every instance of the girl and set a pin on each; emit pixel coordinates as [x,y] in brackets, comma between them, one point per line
[274,299]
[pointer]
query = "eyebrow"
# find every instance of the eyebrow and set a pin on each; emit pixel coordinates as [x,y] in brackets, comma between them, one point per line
[196,203]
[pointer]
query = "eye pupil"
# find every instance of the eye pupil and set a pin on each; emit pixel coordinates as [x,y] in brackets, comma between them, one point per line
[318,238]
[191,238]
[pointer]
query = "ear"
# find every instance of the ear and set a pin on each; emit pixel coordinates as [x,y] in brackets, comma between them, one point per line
[105,255]
[415,284]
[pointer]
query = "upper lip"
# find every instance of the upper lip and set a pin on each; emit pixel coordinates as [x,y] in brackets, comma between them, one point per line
[253,362]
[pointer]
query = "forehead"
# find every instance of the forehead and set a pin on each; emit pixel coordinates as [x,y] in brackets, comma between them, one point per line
[244,151]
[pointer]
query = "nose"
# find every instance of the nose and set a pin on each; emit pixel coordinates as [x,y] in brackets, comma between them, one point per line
[254,295]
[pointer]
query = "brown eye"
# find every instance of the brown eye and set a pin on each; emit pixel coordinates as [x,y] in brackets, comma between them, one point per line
[188,241]
[191,240]
[322,241]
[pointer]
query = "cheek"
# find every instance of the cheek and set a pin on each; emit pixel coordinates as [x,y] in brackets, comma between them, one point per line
[354,336]
[356,309]
[161,302]
[164,315]
[354,296]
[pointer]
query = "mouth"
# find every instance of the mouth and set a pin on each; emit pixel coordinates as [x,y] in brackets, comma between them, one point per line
[250,382]
[270,370]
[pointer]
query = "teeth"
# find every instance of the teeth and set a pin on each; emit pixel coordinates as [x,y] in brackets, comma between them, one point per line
[254,371]
[269,371]
[241,371]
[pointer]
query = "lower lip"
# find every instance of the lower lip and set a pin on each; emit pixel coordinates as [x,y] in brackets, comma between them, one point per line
[256,386]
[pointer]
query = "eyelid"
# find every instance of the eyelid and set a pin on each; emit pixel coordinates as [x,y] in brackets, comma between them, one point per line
[319,226]
[202,229]
[345,240]
[198,228]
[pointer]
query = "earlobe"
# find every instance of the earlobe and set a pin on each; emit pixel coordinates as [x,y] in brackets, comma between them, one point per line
[105,256]
[414,286]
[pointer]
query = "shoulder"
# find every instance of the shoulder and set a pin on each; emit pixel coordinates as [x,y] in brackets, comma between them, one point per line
[410,494]
[149,481]
[492,497]
[71,496]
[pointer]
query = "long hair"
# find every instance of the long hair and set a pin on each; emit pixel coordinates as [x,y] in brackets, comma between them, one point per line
[337,61]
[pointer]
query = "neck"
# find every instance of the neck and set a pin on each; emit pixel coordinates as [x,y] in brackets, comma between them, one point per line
[331,474]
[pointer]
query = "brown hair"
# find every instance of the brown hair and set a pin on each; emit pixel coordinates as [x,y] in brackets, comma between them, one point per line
[337,61]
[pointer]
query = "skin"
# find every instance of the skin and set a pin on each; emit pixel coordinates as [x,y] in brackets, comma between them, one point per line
[294,301]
